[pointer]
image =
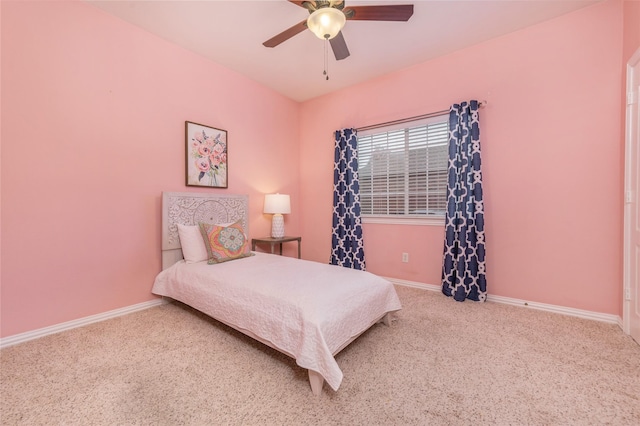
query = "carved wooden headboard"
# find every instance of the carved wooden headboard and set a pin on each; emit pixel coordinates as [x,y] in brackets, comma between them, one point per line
[189,208]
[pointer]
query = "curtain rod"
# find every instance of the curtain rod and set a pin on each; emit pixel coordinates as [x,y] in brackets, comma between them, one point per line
[481,104]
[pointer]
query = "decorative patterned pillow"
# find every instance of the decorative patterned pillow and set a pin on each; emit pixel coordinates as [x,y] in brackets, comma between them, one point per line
[225,243]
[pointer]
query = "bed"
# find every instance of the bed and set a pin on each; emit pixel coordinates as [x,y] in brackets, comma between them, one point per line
[306,310]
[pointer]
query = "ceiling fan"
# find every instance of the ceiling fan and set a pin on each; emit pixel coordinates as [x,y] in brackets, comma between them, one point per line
[327,17]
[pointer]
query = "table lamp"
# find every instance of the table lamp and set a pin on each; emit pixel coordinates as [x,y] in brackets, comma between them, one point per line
[277,204]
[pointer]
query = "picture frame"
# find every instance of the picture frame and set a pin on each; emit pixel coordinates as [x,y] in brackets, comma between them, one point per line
[206,156]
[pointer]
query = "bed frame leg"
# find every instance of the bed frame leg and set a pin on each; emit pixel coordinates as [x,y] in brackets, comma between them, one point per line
[387,319]
[316,380]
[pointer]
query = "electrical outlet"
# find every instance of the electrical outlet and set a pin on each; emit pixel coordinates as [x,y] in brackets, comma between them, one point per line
[405,257]
[627,293]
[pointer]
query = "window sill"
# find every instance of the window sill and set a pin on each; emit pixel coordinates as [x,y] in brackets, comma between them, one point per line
[393,220]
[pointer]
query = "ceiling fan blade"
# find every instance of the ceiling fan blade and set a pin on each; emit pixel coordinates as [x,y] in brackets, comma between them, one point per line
[395,12]
[286,34]
[339,47]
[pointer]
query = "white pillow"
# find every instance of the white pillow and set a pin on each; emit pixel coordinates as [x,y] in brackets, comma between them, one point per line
[193,248]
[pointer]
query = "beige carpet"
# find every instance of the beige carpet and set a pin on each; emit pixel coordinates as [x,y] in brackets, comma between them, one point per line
[440,363]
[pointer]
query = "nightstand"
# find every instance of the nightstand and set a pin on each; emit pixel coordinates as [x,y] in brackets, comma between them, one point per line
[273,241]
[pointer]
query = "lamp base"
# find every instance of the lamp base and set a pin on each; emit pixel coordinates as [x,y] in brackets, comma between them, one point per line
[277,226]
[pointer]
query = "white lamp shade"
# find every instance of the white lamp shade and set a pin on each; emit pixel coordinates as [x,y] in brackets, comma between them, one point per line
[326,22]
[277,204]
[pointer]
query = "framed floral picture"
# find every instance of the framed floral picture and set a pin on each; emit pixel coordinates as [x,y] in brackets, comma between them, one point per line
[206,154]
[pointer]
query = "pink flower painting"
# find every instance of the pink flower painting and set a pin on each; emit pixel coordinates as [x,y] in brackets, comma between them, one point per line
[206,156]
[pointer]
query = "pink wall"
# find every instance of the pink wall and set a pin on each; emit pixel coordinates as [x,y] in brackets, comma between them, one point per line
[551,159]
[631,28]
[93,113]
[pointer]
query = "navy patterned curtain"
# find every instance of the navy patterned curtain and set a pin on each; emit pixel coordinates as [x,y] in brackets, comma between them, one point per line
[463,270]
[347,248]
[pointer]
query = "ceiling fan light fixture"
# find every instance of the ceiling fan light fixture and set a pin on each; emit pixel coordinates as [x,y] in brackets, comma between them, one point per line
[326,22]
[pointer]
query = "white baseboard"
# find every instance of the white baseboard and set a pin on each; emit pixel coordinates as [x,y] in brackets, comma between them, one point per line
[30,335]
[597,316]
[24,337]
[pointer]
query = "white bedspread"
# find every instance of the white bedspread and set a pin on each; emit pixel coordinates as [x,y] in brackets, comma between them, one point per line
[305,309]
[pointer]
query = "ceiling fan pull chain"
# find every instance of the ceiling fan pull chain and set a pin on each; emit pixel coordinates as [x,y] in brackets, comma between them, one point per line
[326,58]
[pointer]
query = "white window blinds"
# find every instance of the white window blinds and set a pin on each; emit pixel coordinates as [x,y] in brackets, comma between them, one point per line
[403,169]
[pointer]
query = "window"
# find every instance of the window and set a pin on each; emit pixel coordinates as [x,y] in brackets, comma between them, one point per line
[403,170]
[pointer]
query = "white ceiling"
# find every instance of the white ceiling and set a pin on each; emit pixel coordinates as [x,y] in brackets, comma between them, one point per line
[231,33]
